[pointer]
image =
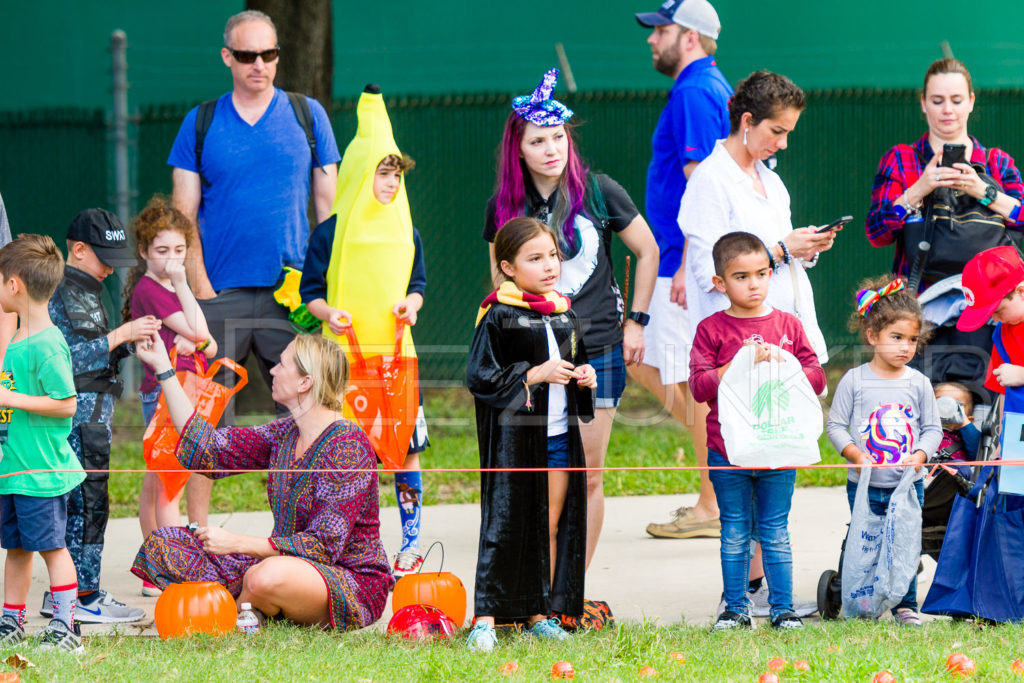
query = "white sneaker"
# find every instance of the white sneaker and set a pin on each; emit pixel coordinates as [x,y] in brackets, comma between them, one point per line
[407,562]
[759,606]
[101,610]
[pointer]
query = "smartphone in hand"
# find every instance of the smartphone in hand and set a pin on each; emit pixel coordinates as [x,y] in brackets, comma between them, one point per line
[837,223]
[953,154]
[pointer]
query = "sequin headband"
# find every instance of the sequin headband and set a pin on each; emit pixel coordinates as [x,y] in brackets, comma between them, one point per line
[866,298]
[538,108]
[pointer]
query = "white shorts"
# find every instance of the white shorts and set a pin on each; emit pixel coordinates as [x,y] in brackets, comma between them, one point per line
[667,338]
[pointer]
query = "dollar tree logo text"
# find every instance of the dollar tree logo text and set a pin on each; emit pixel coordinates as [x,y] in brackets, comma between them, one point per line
[770,398]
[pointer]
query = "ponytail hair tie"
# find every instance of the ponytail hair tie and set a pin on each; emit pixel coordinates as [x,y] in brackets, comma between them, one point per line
[866,298]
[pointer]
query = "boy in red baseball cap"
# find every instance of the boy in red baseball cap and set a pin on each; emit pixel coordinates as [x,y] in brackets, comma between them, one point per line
[993,284]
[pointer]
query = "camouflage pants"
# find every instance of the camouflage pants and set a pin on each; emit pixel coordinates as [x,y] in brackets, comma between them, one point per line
[89,504]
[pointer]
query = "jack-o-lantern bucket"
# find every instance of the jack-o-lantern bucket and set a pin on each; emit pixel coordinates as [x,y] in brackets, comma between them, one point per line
[195,607]
[441,589]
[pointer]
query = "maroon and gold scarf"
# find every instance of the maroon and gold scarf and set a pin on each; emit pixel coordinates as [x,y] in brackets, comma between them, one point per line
[510,295]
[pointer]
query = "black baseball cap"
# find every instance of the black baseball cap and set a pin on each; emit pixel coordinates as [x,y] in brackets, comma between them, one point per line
[106,235]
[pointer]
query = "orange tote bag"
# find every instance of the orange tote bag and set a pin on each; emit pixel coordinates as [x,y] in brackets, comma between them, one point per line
[382,395]
[210,399]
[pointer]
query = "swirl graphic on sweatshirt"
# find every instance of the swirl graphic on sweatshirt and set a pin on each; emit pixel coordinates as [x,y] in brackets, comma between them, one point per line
[888,436]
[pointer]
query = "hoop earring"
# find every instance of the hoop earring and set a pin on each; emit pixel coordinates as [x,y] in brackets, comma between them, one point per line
[744,137]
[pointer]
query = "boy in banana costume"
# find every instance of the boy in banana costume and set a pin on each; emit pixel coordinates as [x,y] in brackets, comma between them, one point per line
[364,267]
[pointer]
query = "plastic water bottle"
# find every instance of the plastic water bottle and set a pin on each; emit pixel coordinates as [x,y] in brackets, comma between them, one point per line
[247,622]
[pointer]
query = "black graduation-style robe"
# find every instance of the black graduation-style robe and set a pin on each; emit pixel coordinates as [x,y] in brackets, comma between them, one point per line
[513,564]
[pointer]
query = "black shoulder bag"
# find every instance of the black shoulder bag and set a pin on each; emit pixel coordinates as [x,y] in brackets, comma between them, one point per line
[957,227]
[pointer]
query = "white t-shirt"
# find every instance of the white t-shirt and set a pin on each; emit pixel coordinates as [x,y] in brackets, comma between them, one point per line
[720,199]
[558,406]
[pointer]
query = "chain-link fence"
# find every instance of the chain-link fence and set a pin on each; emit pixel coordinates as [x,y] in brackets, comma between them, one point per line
[55,163]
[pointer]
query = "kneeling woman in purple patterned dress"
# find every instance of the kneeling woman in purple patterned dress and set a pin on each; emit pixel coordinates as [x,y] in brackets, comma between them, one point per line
[324,564]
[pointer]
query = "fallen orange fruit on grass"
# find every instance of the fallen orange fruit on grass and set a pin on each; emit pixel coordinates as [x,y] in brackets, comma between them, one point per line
[967,668]
[960,664]
[647,672]
[776,664]
[677,656]
[954,661]
[509,668]
[1017,667]
[562,669]
[883,677]
[767,677]
[801,665]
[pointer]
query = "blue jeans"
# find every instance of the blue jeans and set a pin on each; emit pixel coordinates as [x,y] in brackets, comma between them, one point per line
[149,403]
[611,377]
[742,494]
[878,501]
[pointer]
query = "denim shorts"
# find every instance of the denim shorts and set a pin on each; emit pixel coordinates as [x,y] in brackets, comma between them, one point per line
[558,450]
[32,523]
[149,403]
[611,378]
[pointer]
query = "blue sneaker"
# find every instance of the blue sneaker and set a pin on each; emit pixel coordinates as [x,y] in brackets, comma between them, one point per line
[482,638]
[548,629]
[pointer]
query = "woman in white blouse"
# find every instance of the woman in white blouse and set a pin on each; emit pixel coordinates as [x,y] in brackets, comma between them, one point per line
[733,190]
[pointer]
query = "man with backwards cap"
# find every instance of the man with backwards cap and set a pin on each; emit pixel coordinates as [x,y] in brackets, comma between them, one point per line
[682,42]
[97,243]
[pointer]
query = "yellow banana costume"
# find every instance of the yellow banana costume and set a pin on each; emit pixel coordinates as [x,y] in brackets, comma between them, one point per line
[373,251]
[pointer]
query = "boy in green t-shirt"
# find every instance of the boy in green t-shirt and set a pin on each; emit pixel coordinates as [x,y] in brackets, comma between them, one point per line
[37,401]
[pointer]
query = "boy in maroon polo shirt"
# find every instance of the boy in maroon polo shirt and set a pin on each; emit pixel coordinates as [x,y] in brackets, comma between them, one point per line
[742,273]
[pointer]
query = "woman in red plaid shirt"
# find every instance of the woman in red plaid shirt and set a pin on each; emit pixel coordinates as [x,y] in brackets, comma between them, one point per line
[908,174]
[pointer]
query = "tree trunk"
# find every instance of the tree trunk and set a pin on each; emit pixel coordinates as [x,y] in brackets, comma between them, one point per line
[305,34]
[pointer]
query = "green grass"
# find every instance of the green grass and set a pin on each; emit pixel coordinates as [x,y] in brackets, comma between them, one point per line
[643,436]
[837,651]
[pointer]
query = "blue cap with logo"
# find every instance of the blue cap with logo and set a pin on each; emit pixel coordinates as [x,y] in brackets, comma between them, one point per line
[106,235]
[696,14]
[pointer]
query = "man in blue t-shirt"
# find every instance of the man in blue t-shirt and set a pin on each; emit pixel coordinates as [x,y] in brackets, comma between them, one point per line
[682,42]
[251,196]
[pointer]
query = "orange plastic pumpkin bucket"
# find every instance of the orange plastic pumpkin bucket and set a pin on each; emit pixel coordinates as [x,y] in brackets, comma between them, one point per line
[195,607]
[440,589]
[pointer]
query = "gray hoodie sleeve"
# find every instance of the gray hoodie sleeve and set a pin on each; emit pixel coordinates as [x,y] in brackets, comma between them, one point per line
[840,414]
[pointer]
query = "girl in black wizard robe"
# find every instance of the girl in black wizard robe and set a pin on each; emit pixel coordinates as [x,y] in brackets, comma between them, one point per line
[528,373]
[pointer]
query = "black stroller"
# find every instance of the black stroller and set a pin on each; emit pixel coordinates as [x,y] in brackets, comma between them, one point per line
[939,493]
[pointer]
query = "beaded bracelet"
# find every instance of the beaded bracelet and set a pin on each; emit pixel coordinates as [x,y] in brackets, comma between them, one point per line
[201,346]
[786,258]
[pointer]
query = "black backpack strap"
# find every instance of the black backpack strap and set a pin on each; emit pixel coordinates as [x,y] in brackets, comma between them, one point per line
[921,257]
[204,117]
[300,105]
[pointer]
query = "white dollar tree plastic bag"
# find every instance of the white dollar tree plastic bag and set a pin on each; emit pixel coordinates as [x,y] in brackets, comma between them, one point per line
[770,415]
[882,551]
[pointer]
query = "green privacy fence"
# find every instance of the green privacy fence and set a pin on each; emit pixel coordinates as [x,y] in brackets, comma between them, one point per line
[54,163]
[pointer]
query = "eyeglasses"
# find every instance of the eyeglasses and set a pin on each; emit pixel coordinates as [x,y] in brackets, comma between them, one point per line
[249,57]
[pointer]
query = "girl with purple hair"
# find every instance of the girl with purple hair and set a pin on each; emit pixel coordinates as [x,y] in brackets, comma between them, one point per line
[541,175]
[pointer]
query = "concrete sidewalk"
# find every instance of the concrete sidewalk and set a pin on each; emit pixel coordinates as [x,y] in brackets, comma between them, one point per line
[639,576]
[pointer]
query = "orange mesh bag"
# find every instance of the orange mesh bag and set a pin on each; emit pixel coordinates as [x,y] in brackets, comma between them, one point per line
[383,398]
[210,399]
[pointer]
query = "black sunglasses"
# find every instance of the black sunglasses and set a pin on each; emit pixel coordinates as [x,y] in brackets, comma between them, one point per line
[249,57]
